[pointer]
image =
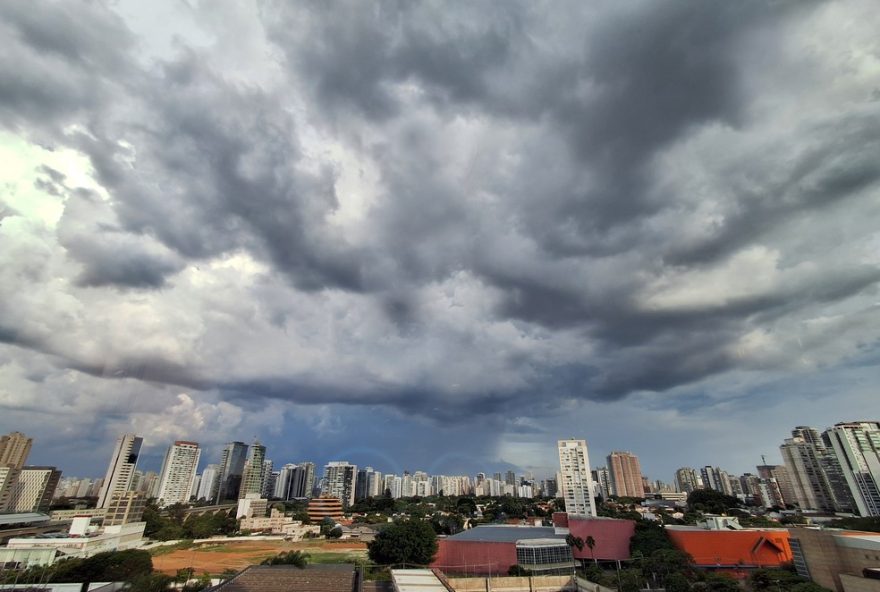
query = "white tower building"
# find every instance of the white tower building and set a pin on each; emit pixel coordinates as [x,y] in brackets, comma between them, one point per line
[576,482]
[857,447]
[178,473]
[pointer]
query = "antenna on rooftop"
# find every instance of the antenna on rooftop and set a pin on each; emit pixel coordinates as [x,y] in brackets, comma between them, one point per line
[763,460]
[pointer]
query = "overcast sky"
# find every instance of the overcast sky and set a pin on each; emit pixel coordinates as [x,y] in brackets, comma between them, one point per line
[438,235]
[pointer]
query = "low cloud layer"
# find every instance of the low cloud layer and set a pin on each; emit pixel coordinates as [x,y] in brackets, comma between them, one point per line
[484,212]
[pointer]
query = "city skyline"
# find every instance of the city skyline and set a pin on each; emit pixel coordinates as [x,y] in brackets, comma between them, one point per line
[707,475]
[836,470]
[455,233]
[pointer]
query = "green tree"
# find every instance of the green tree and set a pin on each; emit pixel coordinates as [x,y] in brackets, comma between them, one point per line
[780,580]
[518,570]
[573,541]
[407,541]
[150,583]
[295,558]
[870,524]
[716,583]
[708,500]
[663,563]
[630,580]
[649,536]
[466,506]
[677,582]
[109,566]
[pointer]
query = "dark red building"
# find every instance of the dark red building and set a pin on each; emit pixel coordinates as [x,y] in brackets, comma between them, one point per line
[492,549]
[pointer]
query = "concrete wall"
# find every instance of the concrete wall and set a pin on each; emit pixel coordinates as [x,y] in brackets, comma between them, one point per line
[513,584]
[859,584]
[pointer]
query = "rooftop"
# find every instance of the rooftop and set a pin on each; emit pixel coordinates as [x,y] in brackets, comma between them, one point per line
[285,578]
[506,533]
[416,580]
[22,518]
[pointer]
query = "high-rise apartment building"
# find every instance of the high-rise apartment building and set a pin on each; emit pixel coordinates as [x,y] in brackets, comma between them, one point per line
[232,461]
[34,490]
[602,482]
[252,473]
[14,450]
[626,474]
[340,479]
[178,473]
[576,481]
[394,485]
[208,483]
[857,448]
[302,482]
[121,469]
[269,476]
[8,482]
[282,482]
[816,475]
[687,480]
[779,474]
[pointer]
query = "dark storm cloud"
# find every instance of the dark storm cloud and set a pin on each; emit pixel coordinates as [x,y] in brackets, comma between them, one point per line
[831,161]
[59,60]
[535,155]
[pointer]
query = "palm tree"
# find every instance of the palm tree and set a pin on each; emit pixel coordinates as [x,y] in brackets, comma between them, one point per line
[591,542]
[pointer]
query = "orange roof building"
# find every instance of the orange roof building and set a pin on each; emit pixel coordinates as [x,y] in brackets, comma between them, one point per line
[733,549]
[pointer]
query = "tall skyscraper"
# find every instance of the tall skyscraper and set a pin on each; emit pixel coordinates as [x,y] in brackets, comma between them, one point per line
[857,448]
[576,481]
[626,474]
[232,461]
[283,481]
[178,473]
[368,483]
[687,480]
[779,474]
[34,490]
[339,481]
[269,477]
[14,450]
[717,479]
[208,483]
[8,483]
[816,475]
[252,474]
[121,468]
[302,482]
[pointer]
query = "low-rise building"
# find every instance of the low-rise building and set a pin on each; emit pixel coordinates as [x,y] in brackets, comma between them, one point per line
[283,578]
[277,522]
[731,548]
[252,506]
[325,507]
[82,540]
[841,560]
[96,514]
[493,549]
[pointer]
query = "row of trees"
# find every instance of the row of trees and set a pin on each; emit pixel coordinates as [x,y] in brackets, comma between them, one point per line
[133,566]
[173,523]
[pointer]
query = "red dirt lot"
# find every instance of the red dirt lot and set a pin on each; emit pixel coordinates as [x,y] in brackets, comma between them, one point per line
[214,558]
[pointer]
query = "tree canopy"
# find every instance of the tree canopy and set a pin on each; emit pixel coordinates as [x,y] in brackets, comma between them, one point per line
[407,541]
[295,558]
